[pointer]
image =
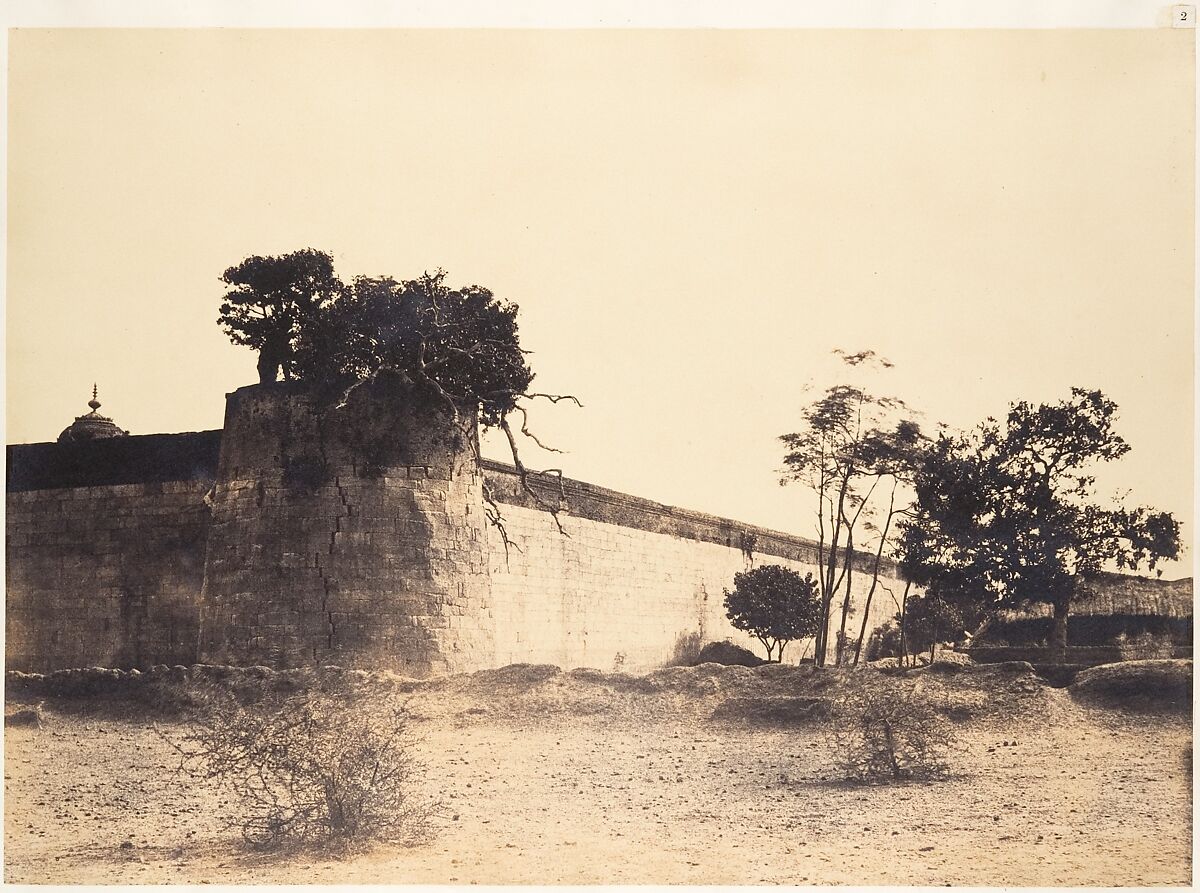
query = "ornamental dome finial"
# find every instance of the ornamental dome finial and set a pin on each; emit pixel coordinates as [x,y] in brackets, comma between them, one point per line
[91,426]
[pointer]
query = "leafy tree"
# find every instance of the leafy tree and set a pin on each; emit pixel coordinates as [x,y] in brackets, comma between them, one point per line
[775,605]
[460,346]
[272,300]
[930,619]
[850,443]
[456,349]
[1007,514]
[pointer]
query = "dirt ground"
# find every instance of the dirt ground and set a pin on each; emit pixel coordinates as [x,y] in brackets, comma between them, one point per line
[588,778]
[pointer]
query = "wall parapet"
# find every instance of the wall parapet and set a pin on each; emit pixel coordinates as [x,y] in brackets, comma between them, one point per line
[595,503]
[137,459]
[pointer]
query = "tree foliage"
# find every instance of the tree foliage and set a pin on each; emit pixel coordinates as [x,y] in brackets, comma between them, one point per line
[775,605]
[850,442]
[459,345]
[1007,514]
[930,618]
[455,349]
[273,301]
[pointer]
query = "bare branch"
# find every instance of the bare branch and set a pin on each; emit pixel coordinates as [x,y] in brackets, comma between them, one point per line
[523,473]
[553,398]
[525,430]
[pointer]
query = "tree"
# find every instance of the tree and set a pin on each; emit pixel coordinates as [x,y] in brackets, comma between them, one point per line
[456,350]
[775,605]
[851,441]
[459,346]
[929,619]
[1007,514]
[273,299]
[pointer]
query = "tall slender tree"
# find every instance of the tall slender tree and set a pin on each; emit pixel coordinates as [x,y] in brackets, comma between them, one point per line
[850,443]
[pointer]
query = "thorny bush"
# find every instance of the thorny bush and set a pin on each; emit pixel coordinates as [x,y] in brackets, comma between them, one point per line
[314,767]
[884,731]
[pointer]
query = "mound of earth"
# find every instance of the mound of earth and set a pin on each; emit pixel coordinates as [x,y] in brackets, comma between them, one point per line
[728,654]
[778,694]
[778,710]
[1142,686]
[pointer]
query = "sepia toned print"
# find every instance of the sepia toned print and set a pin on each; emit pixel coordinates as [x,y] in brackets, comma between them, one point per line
[599,457]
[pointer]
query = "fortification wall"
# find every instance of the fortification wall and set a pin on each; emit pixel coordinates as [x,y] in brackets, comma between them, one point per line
[351,536]
[633,584]
[104,575]
[321,548]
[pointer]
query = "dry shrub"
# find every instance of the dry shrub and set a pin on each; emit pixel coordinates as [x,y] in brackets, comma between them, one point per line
[889,732]
[330,768]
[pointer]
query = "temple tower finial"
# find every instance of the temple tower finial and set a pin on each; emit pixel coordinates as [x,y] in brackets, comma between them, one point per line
[91,426]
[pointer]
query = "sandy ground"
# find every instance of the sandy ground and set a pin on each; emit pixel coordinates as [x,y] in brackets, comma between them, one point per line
[583,780]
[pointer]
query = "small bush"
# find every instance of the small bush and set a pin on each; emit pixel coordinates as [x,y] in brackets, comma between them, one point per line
[687,650]
[316,766]
[888,732]
[884,641]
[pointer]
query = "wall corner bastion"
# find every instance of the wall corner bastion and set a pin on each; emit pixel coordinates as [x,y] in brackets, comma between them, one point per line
[347,536]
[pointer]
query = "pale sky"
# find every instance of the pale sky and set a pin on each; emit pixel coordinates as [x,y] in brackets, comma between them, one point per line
[690,221]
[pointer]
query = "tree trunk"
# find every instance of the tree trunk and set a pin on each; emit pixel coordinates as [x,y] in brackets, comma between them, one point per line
[827,592]
[1058,633]
[268,367]
[270,360]
[903,620]
[841,639]
[875,576]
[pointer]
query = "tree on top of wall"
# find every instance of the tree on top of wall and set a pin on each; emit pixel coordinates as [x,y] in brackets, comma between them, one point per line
[775,605]
[456,350]
[273,300]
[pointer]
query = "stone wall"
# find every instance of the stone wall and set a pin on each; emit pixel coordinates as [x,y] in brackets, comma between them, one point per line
[352,537]
[633,584]
[356,542]
[104,575]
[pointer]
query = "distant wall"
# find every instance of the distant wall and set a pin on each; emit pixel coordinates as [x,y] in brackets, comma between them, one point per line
[632,584]
[141,459]
[105,575]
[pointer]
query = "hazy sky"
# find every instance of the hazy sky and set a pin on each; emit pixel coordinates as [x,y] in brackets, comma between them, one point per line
[690,221]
